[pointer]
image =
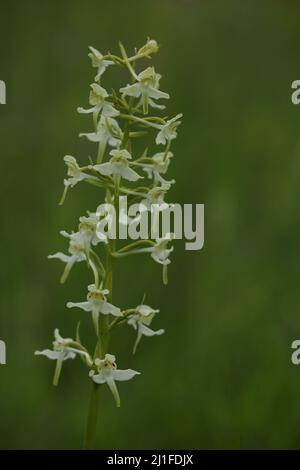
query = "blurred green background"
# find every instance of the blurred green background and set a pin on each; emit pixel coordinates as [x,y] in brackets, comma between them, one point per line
[221,376]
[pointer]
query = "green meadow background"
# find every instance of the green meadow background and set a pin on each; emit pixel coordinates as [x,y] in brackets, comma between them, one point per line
[221,377]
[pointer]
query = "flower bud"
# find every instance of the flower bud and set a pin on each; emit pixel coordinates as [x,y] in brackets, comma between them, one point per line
[151,47]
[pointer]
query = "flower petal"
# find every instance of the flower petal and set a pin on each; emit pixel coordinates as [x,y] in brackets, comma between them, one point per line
[87,111]
[61,256]
[160,138]
[123,375]
[54,355]
[109,111]
[92,136]
[132,90]
[104,168]
[148,332]
[146,310]
[107,308]
[155,105]
[98,378]
[129,174]
[86,306]
[157,94]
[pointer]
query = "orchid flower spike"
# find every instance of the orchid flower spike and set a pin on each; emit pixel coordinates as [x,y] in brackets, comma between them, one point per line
[118,170]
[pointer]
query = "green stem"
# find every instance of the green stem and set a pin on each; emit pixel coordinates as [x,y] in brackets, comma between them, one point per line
[100,351]
[141,120]
[136,244]
[91,427]
[119,320]
[115,58]
[57,372]
[96,274]
[111,186]
[138,56]
[126,61]
[117,254]
[167,149]
[103,338]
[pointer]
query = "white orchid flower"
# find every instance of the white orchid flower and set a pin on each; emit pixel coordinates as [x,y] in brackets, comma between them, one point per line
[159,166]
[107,372]
[63,349]
[98,62]
[77,246]
[75,175]
[156,196]
[87,226]
[74,171]
[160,251]
[141,320]
[147,87]
[118,166]
[108,132]
[98,102]
[88,229]
[168,131]
[80,242]
[96,303]
[154,202]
